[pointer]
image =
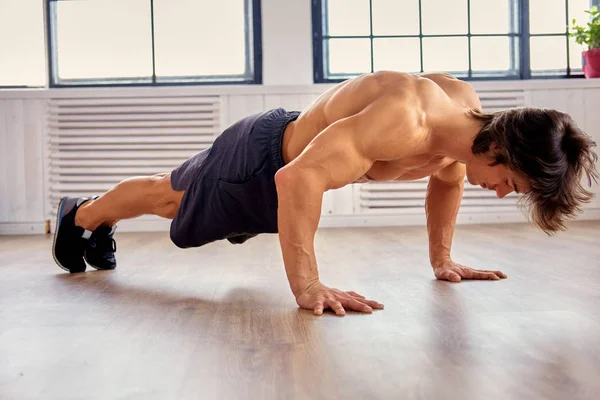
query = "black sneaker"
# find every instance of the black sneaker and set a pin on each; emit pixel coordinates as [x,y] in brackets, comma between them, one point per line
[69,240]
[100,250]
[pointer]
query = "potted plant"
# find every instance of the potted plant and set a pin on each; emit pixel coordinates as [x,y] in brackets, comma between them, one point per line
[589,35]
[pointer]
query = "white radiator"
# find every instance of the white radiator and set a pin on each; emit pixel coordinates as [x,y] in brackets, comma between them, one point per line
[95,142]
[409,197]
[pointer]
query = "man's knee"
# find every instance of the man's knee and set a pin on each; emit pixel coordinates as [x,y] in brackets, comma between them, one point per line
[165,200]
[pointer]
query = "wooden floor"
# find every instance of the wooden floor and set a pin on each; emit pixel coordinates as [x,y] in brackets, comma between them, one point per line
[220,323]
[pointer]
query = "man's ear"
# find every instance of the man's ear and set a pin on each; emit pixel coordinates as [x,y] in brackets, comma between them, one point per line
[494,148]
[495,154]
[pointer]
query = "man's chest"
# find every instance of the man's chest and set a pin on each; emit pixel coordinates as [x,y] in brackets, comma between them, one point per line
[408,168]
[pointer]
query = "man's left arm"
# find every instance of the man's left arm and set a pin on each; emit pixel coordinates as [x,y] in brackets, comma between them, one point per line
[444,194]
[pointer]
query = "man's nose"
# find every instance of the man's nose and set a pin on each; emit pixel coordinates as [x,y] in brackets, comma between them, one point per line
[502,191]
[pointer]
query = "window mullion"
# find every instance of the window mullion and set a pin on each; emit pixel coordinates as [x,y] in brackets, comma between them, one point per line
[51,43]
[567,35]
[153,47]
[470,72]
[371,34]
[524,33]
[421,34]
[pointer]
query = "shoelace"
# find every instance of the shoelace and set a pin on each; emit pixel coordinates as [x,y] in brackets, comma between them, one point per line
[104,245]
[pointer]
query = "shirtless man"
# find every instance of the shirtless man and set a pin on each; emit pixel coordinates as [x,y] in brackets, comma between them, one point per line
[268,172]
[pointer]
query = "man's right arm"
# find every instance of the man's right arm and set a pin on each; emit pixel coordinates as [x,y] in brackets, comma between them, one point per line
[339,155]
[331,161]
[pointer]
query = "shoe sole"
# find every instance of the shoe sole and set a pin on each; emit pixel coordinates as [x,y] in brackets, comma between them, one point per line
[96,268]
[61,206]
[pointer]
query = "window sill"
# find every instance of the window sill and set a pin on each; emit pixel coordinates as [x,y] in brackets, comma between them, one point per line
[215,90]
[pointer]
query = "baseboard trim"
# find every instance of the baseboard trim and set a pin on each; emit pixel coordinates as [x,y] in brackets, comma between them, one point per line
[23,228]
[376,220]
[150,224]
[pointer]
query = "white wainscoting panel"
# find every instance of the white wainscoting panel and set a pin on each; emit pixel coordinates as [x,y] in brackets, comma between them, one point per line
[96,142]
[22,163]
[83,141]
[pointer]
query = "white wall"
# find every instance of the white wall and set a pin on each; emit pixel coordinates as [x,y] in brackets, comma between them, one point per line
[287,42]
[22,166]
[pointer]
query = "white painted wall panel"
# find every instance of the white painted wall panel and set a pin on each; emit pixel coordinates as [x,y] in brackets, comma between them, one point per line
[23,126]
[4,169]
[21,161]
[33,133]
[273,101]
[287,42]
[15,152]
[591,105]
[240,106]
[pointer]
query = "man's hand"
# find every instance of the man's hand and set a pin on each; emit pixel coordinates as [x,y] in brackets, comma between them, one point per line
[318,297]
[453,272]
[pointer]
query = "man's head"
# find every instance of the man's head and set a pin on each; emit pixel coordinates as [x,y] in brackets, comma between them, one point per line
[540,153]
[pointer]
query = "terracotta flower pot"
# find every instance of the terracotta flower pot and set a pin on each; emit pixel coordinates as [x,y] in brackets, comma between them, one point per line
[591,63]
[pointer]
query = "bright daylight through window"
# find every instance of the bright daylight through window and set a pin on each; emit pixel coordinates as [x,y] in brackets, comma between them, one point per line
[154,41]
[497,39]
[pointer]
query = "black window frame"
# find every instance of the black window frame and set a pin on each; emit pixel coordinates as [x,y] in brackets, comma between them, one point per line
[252,76]
[519,42]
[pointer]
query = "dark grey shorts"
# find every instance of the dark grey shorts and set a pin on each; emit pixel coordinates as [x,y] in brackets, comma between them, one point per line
[230,188]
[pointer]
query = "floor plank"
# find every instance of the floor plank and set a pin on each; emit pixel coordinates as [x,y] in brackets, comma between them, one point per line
[219,322]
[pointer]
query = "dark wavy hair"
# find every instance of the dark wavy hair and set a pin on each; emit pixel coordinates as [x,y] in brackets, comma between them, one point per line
[550,151]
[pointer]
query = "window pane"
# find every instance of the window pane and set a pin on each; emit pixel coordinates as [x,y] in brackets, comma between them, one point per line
[444,17]
[575,51]
[22,54]
[445,54]
[393,17]
[547,16]
[548,53]
[348,17]
[103,39]
[482,12]
[349,56]
[577,11]
[397,55]
[490,53]
[194,38]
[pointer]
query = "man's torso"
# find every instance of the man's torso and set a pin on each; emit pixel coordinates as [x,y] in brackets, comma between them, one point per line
[437,97]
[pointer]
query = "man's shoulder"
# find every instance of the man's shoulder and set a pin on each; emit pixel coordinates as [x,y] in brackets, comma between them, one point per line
[460,92]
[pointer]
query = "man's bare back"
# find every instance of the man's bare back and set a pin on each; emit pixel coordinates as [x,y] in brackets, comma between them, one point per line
[434,97]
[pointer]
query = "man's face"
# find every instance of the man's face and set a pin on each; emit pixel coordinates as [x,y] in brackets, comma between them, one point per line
[498,178]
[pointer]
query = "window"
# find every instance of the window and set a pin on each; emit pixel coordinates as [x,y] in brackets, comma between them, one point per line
[22,49]
[473,39]
[552,52]
[129,42]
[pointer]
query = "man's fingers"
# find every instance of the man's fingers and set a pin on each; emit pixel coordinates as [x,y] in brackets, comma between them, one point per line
[372,304]
[363,299]
[499,274]
[336,306]
[354,294]
[474,274]
[318,310]
[449,275]
[354,304]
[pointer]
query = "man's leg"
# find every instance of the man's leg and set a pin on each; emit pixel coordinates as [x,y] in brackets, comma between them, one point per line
[131,198]
[83,225]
